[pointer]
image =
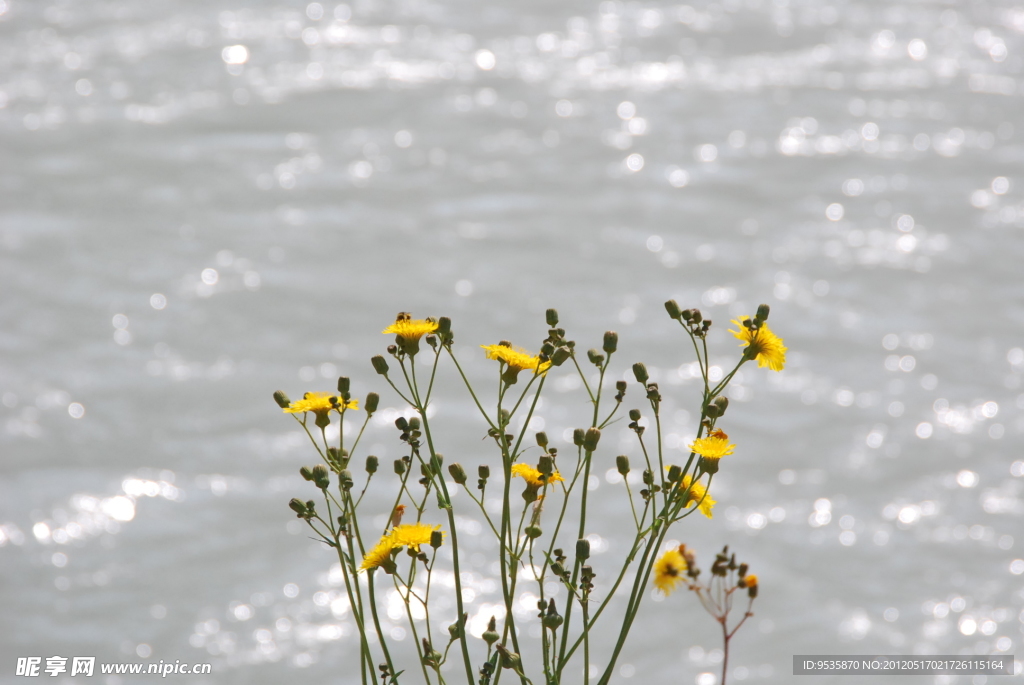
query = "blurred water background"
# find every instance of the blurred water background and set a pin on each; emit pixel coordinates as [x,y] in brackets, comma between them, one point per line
[203,202]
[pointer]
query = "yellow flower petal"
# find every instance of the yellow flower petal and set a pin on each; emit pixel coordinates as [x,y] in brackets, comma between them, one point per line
[320,402]
[669,571]
[764,346]
[698,495]
[517,358]
[532,476]
[409,328]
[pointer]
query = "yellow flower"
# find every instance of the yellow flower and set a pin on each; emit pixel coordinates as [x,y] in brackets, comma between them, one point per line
[532,476]
[749,580]
[407,328]
[669,571]
[715,446]
[761,344]
[380,553]
[517,358]
[698,495]
[412,535]
[320,403]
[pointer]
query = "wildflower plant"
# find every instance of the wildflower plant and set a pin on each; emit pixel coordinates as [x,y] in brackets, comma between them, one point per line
[542,526]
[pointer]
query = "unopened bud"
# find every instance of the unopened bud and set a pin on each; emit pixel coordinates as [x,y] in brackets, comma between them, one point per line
[622,464]
[577,437]
[695,316]
[458,473]
[371,464]
[436,538]
[672,307]
[675,473]
[542,439]
[546,465]
[762,313]
[298,506]
[551,316]
[444,326]
[306,473]
[282,399]
[591,438]
[490,635]
[380,365]
[533,532]
[344,384]
[560,356]
[345,478]
[399,466]
[634,414]
[621,387]
[742,570]
[640,372]
[372,400]
[722,403]
[583,549]
[484,471]
[320,477]
[595,357]
[611,341]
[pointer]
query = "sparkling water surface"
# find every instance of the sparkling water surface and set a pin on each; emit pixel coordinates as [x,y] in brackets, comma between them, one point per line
[205,202]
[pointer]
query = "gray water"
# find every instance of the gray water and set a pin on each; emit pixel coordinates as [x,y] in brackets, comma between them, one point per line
[203,202]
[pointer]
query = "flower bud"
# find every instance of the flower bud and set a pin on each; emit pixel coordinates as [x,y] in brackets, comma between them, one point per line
[282,399]
[401,423]
[372,400]
[490,635]
[672,307]
[675,473]
[380,365]
[742,570]
[344,384]
[484,471]
[551,316]
[611,341]
[444,326]
[595,357]
[547,349]
[458,473]
[687,314]
[634,414]
[762,313]
[622,464]
[533,532]
[722,403]
[399,466]
[560,356]
[320,477]
[297,506]
[345,478]
[306,473]
[310,507]
[695,316]
[414,423]
[542,439]
[620,386]
[640,372]
[648,477]
[546,465]
[583,549]
[371,464]
[436,538]
[591,438]
[577,437]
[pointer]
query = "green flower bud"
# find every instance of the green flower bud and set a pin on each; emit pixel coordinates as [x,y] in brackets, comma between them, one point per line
[672,307]
[282,399]
[297,506]
[611,341]
[648,477]
[551,619]
[620,386]
[595,357]
[591,438]
[344,384]
[675,473]
[533,532]
[345,478]
[380,365]
[371,464]
[436,538]
[320,477]
[510,660]
[762,313]
[695,316]
[546,464]
[414,423]
[547,349]
[640,372]
[622,464]
[372,400]
[687,315]
[634,414]
[560,356]
[458,473]
[577,437]
[542,439]
[306,473]
[310,507]
[399,467]
[551,316]
[490,635]
[583,549]
[484,471]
